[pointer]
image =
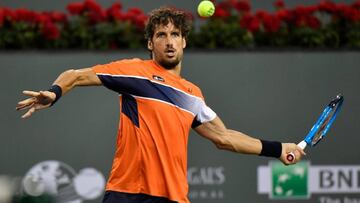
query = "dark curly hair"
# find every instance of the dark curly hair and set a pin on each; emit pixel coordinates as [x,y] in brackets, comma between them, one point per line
[163,16]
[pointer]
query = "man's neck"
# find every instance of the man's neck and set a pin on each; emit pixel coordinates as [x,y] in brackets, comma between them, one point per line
[176,71]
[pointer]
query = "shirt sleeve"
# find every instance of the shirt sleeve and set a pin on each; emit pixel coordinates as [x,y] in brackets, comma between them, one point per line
[117,76]
[204,113]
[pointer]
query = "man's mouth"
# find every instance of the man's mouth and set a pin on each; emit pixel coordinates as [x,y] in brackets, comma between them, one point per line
[170,52]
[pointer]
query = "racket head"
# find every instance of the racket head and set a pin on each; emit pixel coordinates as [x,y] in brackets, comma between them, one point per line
[324,122]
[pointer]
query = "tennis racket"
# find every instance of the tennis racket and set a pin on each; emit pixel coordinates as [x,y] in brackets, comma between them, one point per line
[322,125]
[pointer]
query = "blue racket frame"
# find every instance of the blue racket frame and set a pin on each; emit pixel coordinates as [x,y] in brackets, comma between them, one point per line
[336,103]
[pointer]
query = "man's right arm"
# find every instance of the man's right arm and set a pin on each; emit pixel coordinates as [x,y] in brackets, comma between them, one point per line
[72,78]
[66,82]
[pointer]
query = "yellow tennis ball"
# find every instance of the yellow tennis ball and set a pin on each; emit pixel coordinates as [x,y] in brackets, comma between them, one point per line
[206,8]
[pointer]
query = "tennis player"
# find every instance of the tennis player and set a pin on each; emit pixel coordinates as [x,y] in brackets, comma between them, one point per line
[158,109]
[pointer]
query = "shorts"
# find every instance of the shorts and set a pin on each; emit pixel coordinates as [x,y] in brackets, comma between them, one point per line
[122,197]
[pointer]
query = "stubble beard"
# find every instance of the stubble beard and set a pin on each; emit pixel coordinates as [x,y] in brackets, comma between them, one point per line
[170,64]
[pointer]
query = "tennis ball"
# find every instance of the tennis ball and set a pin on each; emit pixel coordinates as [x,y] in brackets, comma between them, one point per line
[206,8]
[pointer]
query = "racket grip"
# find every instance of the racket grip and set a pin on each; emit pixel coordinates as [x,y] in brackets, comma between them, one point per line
[291,156]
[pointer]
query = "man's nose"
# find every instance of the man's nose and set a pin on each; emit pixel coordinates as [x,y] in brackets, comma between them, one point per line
[169,41]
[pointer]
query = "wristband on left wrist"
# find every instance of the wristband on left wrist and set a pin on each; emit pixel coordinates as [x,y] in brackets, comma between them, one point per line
[58,92]
[271,148]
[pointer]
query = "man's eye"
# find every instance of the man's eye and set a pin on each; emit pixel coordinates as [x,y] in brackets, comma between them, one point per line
[159,35]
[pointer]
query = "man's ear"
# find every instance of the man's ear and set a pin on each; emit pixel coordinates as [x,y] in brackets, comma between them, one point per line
[150,45]
[184,42]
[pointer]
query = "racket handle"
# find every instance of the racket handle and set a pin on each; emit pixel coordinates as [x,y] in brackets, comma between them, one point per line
[291,156]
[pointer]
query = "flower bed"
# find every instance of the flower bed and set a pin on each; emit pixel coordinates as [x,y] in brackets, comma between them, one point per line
[87,25]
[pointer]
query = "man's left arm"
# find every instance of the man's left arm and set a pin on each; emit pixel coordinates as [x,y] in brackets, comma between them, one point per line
[235,141]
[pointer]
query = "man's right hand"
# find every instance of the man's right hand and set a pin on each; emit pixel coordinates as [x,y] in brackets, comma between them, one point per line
[37,101]
[67,80]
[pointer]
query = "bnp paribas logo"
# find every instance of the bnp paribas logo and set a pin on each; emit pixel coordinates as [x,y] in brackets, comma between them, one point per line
[301,180]
[289,182]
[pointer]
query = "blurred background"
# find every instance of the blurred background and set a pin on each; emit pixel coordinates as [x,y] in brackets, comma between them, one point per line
[267,68]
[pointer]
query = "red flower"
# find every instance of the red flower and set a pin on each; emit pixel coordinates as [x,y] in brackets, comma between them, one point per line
[55,16]
[284,15]
[92,6]
[140,21]
[135,11]
[300,21]
[261,14]
[313,22]
[348,12]
[115,15]
[242,6]
[223,9]
[116,6]
[279,4]
[9,14]
[97,17]
[225,5]
[245,20]
[118,16]
[58,17]
[250,23]
[50,31]
[305,10]
[254,25]
[327,6]
[221,13]
[25,15]
[356,4]
[308,21]
[76,8]
[272,23]
[342,10]
[114,12]
[132,15]
[356,17]
[303,16]
[129,16]
[2,17]
[42,19]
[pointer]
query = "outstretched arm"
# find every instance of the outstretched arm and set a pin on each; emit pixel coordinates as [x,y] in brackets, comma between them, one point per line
[66,81]
[235,141]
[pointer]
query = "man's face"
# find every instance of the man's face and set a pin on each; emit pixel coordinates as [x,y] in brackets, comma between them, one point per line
[167,45]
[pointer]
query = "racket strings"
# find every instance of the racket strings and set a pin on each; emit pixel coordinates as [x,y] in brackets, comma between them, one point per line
[326,121]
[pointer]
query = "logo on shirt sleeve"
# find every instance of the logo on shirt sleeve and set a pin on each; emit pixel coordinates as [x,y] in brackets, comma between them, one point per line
[158,78]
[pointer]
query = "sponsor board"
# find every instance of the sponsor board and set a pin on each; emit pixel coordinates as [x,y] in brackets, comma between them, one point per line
[206,182]
[62,182]
[302,180]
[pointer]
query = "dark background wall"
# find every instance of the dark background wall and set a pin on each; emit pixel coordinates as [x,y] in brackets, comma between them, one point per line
[270,95]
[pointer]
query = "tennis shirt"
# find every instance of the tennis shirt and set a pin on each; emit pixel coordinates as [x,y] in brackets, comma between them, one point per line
[157,111]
